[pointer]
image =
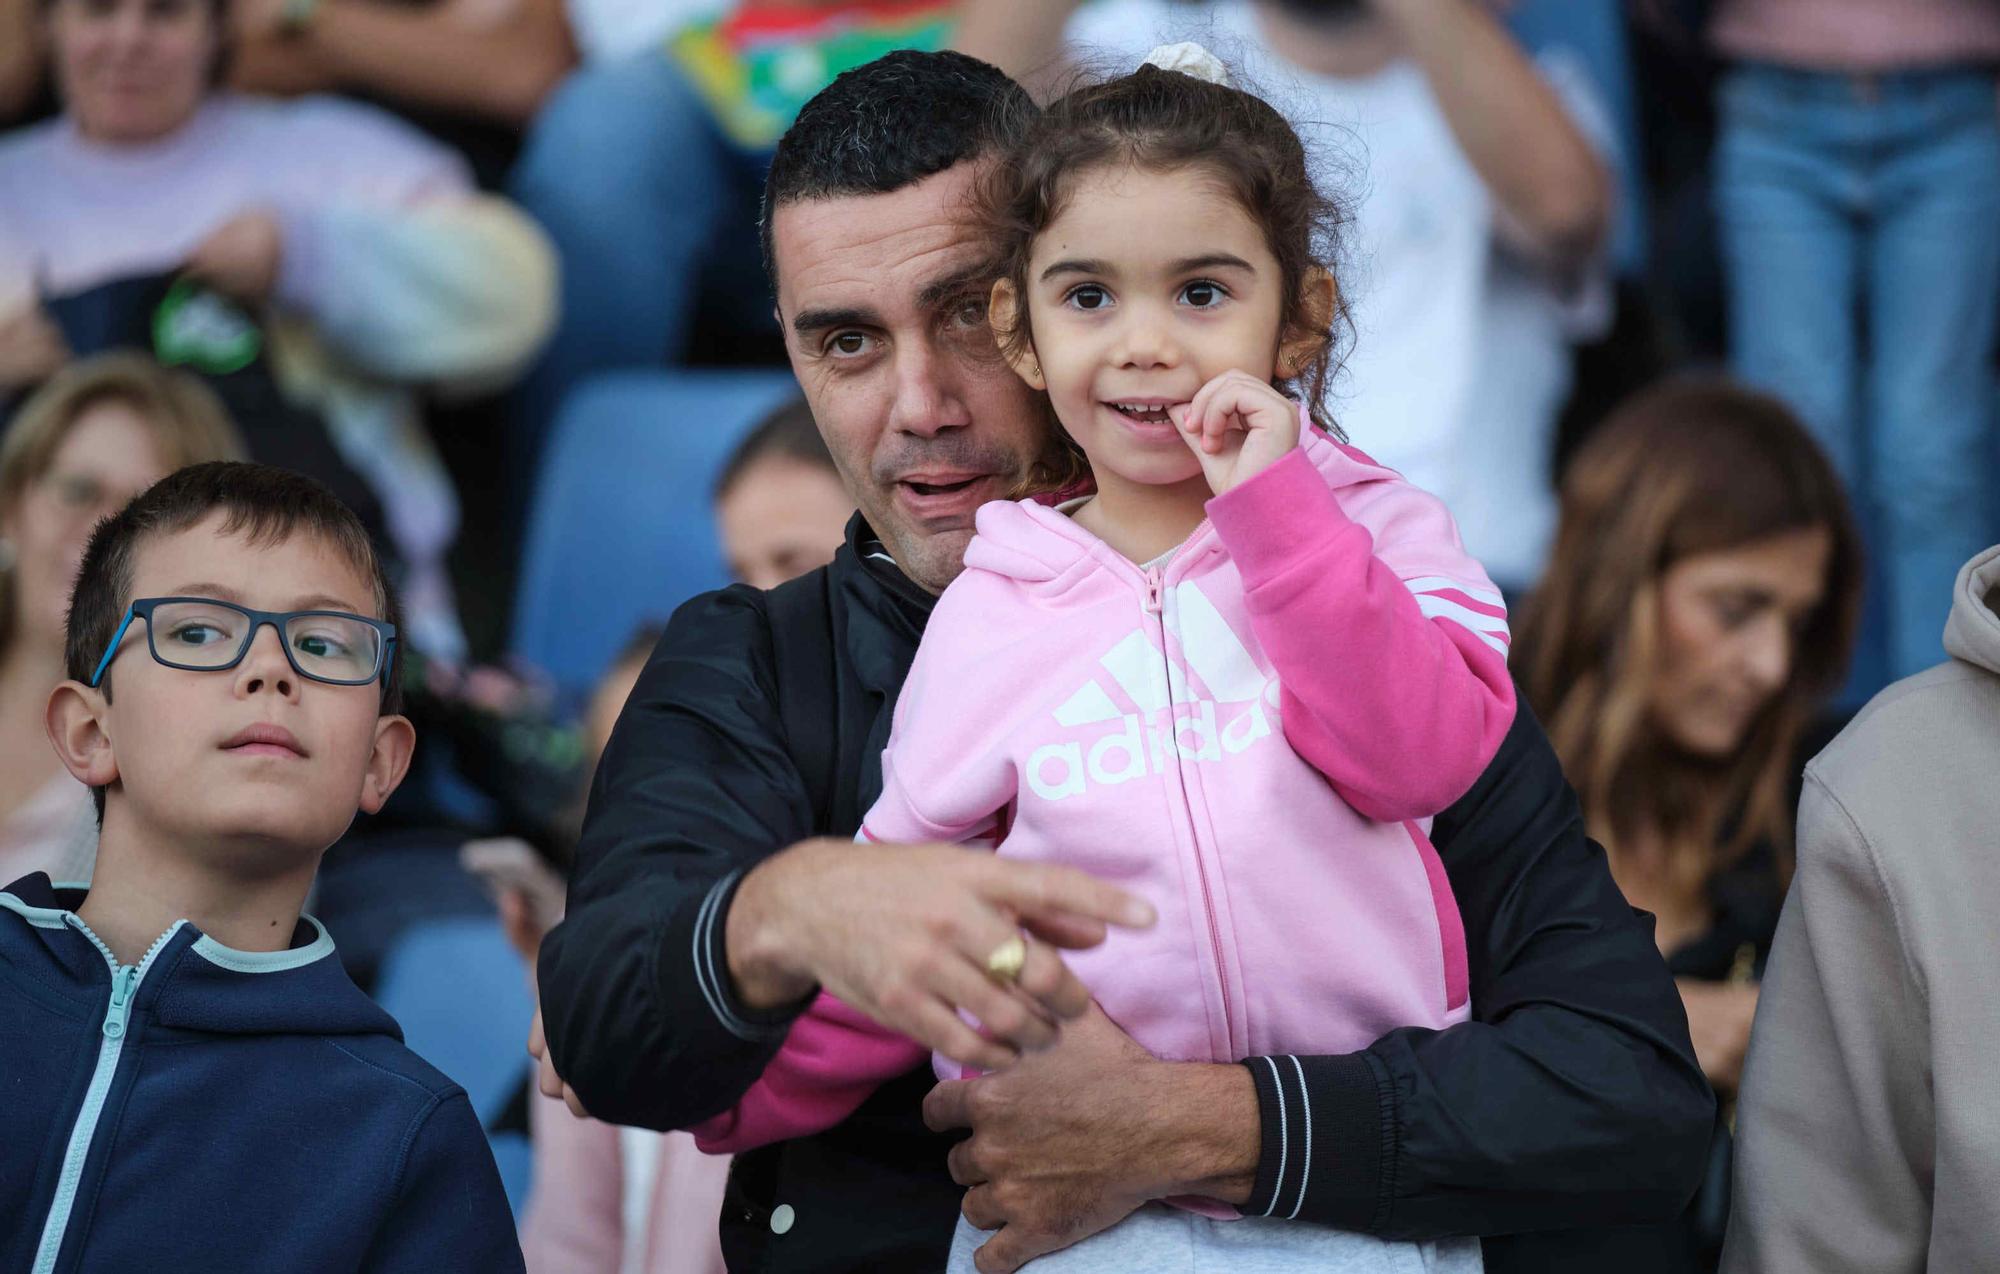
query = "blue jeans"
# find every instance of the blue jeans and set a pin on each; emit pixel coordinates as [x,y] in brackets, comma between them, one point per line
[646,202]
[1860,224]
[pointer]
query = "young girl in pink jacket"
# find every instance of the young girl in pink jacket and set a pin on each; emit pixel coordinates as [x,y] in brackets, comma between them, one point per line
[1238,680]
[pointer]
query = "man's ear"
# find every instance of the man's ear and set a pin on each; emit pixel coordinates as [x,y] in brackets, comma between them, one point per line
[395,743]
[1003,312]
[1319,300]
[76,723]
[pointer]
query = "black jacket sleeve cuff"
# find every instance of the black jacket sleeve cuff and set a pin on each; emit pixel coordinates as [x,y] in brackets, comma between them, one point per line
[703,939]
[1328,1138]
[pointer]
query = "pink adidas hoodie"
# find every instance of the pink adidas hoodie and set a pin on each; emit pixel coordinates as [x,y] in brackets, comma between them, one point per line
[1252,736]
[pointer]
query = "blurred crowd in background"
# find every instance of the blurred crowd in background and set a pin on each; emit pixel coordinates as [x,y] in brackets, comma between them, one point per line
[490,269]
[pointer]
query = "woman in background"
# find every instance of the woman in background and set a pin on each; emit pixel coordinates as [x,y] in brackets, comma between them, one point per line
[780,506]
[98,433]
[372,271]
[1699,605]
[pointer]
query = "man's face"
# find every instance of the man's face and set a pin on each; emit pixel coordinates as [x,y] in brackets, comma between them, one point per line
[883,303]
[178,737]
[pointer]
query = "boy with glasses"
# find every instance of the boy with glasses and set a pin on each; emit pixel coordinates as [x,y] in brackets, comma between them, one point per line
[194,1082]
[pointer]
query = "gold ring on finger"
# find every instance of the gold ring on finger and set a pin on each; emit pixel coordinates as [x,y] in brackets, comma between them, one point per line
[1004,965]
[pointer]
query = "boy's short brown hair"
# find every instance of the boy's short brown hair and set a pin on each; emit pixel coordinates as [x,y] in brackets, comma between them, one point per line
[263,504]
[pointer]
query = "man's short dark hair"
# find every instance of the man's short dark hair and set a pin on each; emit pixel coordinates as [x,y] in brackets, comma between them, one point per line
[264,505]
[878,128]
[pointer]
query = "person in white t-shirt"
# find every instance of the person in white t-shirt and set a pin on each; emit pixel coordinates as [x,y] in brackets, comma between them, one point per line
[1480,186]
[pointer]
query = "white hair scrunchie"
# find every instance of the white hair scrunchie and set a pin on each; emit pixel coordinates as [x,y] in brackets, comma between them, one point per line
[1190,58]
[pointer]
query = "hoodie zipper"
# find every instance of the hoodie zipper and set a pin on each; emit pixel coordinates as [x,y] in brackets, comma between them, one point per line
[125,980]
[1155,587]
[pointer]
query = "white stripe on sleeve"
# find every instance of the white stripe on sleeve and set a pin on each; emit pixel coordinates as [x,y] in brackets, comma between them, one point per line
[1284,1137]
[705,975]
[1435,607]
[1305,1165]
[1439,583]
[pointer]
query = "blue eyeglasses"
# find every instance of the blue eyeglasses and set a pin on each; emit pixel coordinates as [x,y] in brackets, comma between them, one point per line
[200,634]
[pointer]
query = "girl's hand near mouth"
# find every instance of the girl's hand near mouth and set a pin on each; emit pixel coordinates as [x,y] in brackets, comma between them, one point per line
[1238,426]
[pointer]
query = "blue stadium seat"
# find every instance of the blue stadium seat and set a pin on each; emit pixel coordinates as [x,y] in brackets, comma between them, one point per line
[461,996]
[621,531]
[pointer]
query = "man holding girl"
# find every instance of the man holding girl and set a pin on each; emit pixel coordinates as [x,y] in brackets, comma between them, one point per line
[718,889]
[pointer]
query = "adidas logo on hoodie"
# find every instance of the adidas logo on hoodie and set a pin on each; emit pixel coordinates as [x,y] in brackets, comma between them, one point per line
[1165,722]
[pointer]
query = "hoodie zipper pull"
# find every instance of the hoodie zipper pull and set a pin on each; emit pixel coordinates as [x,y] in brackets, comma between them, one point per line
[121,1001]
[1153,591]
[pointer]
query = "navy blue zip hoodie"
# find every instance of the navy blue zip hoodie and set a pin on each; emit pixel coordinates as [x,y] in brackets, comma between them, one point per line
[223,1110]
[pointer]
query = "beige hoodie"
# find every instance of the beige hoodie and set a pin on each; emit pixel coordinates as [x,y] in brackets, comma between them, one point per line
[1868,1134]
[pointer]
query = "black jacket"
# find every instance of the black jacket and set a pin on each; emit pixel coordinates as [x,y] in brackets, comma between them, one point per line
[1572,1098]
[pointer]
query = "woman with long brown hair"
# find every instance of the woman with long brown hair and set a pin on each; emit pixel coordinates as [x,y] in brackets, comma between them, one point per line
[1699,604]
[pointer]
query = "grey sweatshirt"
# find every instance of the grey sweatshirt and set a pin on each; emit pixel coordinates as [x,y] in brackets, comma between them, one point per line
[1868,1131]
